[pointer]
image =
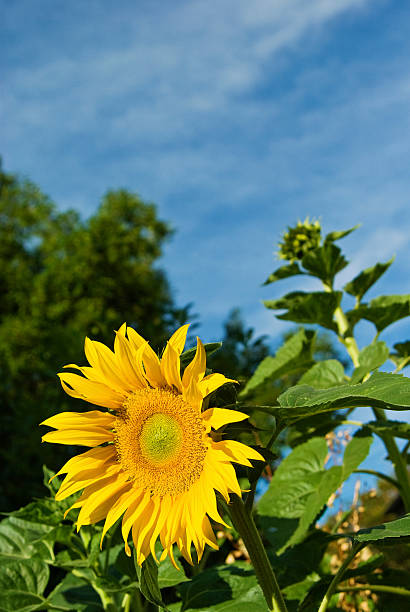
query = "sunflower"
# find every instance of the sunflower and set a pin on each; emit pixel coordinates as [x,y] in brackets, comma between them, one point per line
[154,458]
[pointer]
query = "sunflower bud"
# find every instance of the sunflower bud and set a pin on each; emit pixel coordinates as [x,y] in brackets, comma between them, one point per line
[299,240]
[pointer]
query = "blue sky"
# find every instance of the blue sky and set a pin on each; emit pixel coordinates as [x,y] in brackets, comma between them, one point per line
[236,118]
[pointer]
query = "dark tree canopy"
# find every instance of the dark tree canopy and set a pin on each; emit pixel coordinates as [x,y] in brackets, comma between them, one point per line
[62,278]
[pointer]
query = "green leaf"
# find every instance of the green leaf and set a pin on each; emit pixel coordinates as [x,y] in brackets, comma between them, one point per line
[324,374]
[148,581]
[332,236]
[294,355]
[210,349]
[315,308]
[168,575]
[382,311]
[392,428]
[381,390]
[74,593]
[401,357]
[324,262]
[221,589]
[366,279]
[21,540]
[370,358]
[356,451]
[394,529]
[402,348]
[296,477]
[22,584]
[284,272]
[301,486]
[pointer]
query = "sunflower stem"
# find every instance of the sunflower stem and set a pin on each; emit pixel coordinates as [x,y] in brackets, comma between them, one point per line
[338,576]
[245,525]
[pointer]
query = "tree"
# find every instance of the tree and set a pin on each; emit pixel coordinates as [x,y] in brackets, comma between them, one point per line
[62,278]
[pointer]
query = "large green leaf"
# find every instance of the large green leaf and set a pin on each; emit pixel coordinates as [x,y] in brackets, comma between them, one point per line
[381,390]
[324,374]
[324,262]
[295,479]
[301,486]
[284,272]
[366,279]
[382,311]
[370,358]
[168,575]
[21,540]
[294,355]
[75,594]
[221,589]
[314,308]
[394,529]
[22,584]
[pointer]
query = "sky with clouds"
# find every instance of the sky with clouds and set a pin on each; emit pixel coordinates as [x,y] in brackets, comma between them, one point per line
[235,117]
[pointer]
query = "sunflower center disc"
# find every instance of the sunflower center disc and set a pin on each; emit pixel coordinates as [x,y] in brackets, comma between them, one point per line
[160,438]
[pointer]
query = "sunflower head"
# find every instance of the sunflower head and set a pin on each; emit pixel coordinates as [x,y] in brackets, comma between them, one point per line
[153,458]
[299,240]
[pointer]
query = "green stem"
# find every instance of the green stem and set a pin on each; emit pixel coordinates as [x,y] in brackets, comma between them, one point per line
[245,525]
[399,462]
[338,576]
[382,588]
[381,476]
[347,339]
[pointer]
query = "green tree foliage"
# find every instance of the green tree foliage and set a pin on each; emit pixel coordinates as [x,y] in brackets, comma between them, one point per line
[62,278]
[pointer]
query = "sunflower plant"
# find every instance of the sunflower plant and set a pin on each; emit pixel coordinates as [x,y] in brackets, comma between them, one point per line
[199,492]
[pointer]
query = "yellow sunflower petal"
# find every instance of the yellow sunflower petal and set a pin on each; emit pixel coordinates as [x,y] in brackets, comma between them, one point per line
[165,505]
[196,369]
[98,504]
[91,391]
[130,369]
[80,420]
[136,508]
[117,509]
[218,417]
[150,358]
[238,452]
[170,367]
[92,436]
[212,382]
[178,338]
[102,359]
[96,457]
[68,487]
[192,394]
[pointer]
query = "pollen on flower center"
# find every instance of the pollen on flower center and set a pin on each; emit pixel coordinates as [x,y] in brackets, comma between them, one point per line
[161,441]
[161,438]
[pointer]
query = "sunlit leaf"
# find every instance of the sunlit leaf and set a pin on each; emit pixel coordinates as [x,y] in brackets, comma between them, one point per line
[295,354]
[366,279]
[315,308]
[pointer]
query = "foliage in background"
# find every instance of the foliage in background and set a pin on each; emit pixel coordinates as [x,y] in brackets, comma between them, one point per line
[62,278]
